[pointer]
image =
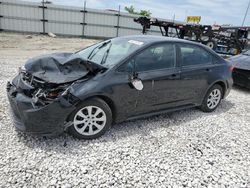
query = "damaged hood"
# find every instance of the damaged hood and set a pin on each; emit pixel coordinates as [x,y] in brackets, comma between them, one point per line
[60,68]
[240,61]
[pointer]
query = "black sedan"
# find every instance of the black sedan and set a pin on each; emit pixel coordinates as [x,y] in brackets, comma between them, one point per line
[115,80]
[241,72]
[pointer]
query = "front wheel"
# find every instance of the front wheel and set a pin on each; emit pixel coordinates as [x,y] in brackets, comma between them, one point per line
[91,119]
[212,99]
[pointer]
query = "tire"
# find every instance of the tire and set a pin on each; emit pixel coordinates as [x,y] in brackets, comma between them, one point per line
[210,103]
[85,119]
[212,44]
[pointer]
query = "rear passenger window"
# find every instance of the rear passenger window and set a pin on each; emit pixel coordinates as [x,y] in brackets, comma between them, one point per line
[161,56]
[193,55]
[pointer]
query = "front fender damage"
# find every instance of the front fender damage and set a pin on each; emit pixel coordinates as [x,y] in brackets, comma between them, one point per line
[41,96]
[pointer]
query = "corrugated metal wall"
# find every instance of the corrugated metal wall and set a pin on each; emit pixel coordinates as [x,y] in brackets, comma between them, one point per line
[64,20]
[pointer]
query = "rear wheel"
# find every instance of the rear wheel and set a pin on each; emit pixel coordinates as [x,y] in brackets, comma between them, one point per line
[91,119]
[212,98]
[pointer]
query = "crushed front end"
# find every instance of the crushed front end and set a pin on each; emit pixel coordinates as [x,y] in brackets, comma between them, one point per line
[39,107]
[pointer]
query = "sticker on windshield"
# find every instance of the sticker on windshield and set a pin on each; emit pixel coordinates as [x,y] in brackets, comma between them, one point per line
[139,43]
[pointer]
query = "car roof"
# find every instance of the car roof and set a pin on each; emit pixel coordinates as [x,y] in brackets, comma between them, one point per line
[153,39]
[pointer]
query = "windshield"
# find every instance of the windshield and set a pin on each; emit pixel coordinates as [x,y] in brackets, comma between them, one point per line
[110,52]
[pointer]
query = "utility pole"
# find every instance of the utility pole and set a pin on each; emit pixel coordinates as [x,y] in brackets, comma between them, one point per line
[118,21]
[84,18]
[186,13]
[174,18]
[43,17]
[246,14]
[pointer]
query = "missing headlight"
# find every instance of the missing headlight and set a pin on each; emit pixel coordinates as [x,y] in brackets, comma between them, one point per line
[71,98]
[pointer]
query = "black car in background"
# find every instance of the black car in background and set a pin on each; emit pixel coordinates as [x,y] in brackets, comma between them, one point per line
[113,81]
[241,71]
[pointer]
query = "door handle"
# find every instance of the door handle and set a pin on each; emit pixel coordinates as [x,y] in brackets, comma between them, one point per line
[208,70]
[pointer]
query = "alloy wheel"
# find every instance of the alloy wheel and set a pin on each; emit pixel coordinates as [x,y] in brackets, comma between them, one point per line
[89,120]
[214,99]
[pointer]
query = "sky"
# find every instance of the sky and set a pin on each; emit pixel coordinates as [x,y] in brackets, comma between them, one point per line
[211,11]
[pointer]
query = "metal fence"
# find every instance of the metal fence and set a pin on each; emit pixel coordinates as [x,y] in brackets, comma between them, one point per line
[33,17]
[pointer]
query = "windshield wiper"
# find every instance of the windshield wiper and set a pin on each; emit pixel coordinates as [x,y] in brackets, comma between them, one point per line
[105,56]
[92,54]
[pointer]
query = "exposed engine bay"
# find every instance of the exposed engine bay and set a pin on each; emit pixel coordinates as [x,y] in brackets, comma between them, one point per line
[41,92]
[46,78]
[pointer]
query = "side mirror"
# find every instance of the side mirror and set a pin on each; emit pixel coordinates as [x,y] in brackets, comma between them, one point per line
[133,76]
[137,83]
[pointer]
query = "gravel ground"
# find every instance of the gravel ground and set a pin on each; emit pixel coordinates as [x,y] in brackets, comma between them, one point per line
[183,149]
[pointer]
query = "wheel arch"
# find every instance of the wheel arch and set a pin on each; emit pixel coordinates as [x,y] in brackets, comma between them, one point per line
[109,102]
[223,85]
[220,83]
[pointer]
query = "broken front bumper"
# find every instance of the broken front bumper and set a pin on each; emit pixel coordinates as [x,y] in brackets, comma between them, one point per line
[41,120]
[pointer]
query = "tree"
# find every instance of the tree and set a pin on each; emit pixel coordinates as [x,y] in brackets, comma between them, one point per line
[145,13]
[131,10]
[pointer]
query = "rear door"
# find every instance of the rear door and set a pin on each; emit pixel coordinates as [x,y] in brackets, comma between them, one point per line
[196,68]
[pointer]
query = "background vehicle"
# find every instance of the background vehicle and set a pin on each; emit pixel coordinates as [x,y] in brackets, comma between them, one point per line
[241,72]
[224,40]
[231,40]
[115,80]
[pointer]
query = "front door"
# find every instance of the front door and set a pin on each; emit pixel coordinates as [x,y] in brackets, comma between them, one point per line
[156,67]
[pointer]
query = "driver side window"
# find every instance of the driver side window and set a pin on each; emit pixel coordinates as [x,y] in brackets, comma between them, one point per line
[161,56]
